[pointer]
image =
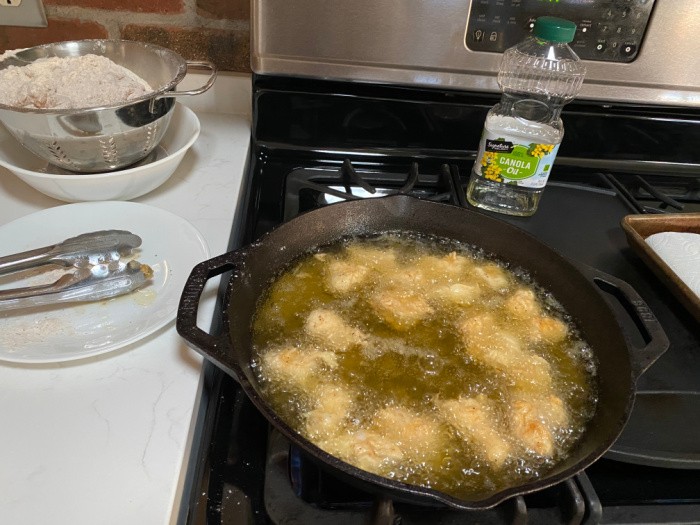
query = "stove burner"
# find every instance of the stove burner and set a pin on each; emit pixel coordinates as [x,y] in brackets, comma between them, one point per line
[324,186]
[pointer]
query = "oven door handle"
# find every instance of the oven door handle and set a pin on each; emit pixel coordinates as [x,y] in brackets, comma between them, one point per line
[214,347]
[656,341]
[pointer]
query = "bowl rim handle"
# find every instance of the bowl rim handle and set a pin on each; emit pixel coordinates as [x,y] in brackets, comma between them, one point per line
[200,64]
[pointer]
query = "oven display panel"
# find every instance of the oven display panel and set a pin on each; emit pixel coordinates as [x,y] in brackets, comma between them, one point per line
[607,30]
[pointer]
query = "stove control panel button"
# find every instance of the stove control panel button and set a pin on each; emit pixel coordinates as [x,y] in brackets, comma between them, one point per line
[607,30]
[628,50]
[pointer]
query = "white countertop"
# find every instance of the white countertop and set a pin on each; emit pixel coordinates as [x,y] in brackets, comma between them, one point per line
[106,439]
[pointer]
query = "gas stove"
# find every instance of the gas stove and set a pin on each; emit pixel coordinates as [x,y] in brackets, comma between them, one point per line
[245,472]
[385,100]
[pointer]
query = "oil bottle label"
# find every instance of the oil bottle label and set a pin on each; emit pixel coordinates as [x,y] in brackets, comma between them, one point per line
[514,162]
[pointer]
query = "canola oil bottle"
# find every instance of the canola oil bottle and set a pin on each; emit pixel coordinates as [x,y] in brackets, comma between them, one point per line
[523,131]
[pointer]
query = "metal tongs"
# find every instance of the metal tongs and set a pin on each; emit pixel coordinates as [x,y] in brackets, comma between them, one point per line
[98,270]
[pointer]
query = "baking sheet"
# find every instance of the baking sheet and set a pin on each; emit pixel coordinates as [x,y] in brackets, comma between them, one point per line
[639,227]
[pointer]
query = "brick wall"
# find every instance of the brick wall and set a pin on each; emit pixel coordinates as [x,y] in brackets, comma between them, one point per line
[216,30]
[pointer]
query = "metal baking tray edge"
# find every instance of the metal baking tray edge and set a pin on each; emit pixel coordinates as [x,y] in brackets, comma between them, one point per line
[638,227]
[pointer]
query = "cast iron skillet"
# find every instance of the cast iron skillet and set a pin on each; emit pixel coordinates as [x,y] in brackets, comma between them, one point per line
[576,287]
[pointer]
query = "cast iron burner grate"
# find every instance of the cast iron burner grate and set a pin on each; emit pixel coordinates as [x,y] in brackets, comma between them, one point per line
[298,491]
[638,190]
[315,187]
[309,188]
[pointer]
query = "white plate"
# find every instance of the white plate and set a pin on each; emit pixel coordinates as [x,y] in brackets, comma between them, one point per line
[124,184]
[171,246]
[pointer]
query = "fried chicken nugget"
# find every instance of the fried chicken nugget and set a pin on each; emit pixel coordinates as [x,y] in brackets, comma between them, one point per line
[474,421]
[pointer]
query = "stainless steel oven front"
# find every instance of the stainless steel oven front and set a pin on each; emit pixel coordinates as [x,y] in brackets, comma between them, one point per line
[639,51]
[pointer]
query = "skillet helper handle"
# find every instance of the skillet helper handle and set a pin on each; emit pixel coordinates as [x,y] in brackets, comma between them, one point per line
[657,340]
[191,64]
[212,346]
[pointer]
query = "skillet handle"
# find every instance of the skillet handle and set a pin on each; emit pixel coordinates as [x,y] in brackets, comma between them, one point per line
[656,340]
[211,346]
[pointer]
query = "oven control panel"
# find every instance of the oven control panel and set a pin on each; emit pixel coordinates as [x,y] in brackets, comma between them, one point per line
[606,30]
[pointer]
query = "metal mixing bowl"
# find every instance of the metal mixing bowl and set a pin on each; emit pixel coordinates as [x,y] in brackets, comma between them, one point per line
[109,137]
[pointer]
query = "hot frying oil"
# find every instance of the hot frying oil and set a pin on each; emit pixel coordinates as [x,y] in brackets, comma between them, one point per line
[426,361]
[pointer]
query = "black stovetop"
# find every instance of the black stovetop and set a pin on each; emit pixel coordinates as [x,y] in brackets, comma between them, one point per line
[242,472]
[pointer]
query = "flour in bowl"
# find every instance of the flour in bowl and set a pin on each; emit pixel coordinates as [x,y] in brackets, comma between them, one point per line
[70,83]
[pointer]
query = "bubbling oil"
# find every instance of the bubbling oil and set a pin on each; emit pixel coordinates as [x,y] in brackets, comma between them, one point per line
[426,361]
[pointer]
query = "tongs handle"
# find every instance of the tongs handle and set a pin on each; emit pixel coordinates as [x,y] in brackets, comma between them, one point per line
[73,251]
[61,283]
[24,260]
[82,285]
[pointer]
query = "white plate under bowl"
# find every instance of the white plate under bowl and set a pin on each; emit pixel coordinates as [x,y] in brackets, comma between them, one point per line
[124,184]
[171,246]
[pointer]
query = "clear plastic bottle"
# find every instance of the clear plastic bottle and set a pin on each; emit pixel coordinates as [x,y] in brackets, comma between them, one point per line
[523,131]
